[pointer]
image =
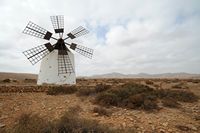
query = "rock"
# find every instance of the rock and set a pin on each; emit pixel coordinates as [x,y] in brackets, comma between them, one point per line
[2,125]
[95,114]
[49,109]
[165,124]
[192,127]
[124,124]
[16,108]
[162,131]
[170,130]
[153,127]
[150,122]
[131,119]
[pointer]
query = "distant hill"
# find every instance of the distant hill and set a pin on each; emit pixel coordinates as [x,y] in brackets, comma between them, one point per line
[22,76]
[145,75]
[17,76]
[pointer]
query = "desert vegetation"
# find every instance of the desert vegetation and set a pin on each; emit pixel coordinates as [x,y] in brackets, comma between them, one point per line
[100,105]
[61,90]
[136,96]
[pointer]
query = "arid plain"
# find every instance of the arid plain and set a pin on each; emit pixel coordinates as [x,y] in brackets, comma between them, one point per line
[100,105]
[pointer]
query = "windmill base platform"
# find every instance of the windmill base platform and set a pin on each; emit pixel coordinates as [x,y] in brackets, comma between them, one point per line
[49,71]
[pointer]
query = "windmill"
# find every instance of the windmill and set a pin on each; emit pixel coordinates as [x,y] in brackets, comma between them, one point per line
[57,65]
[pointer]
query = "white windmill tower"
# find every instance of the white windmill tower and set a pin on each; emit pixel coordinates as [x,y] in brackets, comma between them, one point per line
[57,66]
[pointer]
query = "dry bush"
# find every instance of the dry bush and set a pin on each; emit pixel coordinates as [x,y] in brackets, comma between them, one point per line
[177,95]
[101,88]
[149,82]
[137,96]
[182,128]
[101,111]
[29,123]
[86,91]
[180,86]
[171,103]
[142,101]
[3,130]
[107,98]
[30,80]
[70,122]
[57,90]
[196,81]
[75,109]
[7,80]
[131,95]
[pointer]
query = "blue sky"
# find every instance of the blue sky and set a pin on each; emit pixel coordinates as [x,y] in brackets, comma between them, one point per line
[128,36]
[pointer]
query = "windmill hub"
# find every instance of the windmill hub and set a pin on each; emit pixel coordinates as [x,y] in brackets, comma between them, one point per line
[57,66]
[60,45]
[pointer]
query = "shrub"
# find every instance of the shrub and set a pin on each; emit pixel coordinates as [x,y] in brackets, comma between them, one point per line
[101,111]
[182,127]
[171,103]
[55,90]
[130,95]
[107,98]
[30,80]
[137,96]
[177,95]
[30,123]
[196,81]
[3,130]
[75,109]
[130,89]
[101,88]
[149,82]
[86,91]
[149,105]
[180,86]
[7,80]
[71,122]
[136,100]
[142,101]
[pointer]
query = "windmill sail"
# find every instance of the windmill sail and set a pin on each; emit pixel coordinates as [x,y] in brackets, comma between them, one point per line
[58,23]
[37,31]
[35,54]
[87,52]
[80,31]
[64,63]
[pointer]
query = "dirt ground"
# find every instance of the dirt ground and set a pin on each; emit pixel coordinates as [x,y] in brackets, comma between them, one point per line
[13,104]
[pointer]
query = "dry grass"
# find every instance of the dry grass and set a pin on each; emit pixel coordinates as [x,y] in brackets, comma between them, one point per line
[58,90]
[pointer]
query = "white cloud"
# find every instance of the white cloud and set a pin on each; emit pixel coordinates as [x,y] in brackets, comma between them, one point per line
[150,36]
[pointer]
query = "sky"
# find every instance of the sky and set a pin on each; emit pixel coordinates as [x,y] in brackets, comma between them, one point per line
[128,36]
